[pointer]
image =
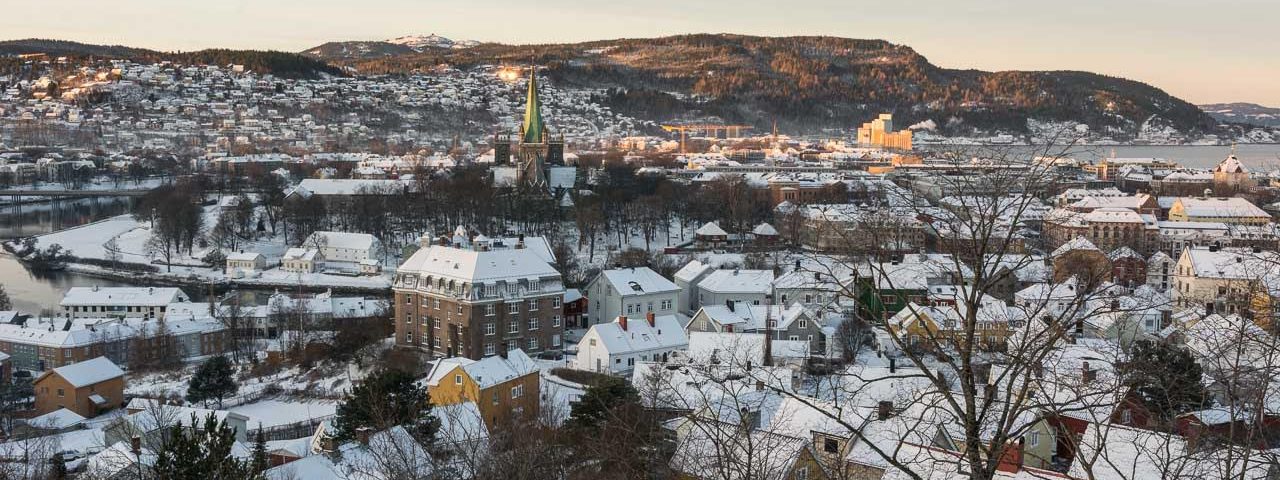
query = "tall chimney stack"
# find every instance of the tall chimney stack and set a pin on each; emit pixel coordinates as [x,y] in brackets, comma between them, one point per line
[622,322]
[650,318]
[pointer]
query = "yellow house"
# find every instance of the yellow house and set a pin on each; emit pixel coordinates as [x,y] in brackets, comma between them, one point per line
[504,387]
[942,323]
[1230,210]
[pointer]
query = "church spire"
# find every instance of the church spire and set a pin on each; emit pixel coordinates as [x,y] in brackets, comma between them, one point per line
[533,128]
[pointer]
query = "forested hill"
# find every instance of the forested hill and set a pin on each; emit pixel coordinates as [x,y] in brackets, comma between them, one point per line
[816,82]
[285,64]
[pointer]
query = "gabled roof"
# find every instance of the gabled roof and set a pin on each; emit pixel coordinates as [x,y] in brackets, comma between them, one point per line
[637,281]
[738,281]
[710,229]
[488,371]
[666,333]
[1078,243]
[87,373]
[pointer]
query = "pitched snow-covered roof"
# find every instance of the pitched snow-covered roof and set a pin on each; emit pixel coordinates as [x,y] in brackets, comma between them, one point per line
[1124,252]
[325,186]
[88,372]
[1078,243]
[692,270]
[478,266]
[637,281]
[666,333]
[738,281]
[1219,207]
[711,229]
[56,420]
[346,240]
[125,296]
[766,230]
[493,370]
[1231,164]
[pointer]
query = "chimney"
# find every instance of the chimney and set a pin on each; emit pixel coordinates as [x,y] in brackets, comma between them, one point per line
[729,304]
[135,445]
[520,241]
[1088,373]
[893,365]
[649,318]
[622,322]
[362,434]
[884,409]
[797,265]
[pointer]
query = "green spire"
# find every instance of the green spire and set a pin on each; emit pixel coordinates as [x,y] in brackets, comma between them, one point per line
[533,127]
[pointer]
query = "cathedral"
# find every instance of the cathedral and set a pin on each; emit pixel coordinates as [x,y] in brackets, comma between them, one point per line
[537,146]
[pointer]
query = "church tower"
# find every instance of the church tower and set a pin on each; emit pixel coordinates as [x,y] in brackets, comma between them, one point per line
[537,147]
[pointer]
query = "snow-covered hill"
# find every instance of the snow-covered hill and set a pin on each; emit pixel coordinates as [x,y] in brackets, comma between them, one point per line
[420,42]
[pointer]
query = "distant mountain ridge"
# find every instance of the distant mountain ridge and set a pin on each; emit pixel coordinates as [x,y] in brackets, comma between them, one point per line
[285,64]
[420,42]
[1243,112]
[818,82]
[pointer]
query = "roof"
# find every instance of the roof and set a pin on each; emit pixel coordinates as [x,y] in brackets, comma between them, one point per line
[637,281]
[730,348]
[764,229]
[243,256]
[691,271]
[329,186]
[488,371]
[88,372]
[1219,207]
[308,254]
[711,229]
[128,296]
[478,266]
[1231,164]
[738,281]
[347,240]
[532,127]
[1078,243]
[56,420]
[666,333]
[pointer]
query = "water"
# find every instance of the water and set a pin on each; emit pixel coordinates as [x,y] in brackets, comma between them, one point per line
[32,292]
[46,217]
[1259,158]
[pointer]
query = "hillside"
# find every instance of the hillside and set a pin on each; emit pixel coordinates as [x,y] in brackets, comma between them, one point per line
[818,82]
[1246,113]
[284,64]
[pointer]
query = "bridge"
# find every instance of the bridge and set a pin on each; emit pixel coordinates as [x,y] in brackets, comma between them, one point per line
[64,193]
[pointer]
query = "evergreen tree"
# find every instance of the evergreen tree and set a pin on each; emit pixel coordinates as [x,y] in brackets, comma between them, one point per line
[200,453]
[260,460]
[213,380]
[57,467]
[596,403]
[384,399]
[5,303]
[1165,377]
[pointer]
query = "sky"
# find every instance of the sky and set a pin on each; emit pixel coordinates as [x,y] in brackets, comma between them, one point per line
[1203,51]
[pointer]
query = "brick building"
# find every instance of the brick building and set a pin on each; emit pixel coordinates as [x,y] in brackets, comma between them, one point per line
[467,296]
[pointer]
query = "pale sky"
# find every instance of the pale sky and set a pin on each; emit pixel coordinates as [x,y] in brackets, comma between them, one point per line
[1203,51]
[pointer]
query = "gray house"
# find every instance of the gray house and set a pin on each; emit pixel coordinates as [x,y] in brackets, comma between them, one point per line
[630,292]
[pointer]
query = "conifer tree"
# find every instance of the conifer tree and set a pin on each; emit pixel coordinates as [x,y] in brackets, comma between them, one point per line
[213,380]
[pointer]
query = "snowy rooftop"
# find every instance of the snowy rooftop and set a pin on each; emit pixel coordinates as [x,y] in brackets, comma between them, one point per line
[666,333]
[478,266]
[637,281]
[126,296]
[738,281]
[89,372]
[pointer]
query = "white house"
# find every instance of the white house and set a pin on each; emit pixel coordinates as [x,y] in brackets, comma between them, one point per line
[301,260]
[631,292]
[148,302]
[345,246]
[241,264]
[615,347]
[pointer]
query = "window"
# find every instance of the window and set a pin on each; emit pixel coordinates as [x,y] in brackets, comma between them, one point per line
[535,285]
[803,324]
[513,288]
[555,302]
[517,391]
[830,445]
[437,304]
[533,323]
[408,299]
[490,310]
[408,337]
[60,393]
[555,321]
[513,307]
[629,309]
[513,326]
[665,305]
[457,379]
[1033,439]
[488,349]
[795,338]
[591,342]
[555,340]
[802,473]
[490,328]
[1126,416]
[533,304]
[649,307]
[490,290]
[533,343]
